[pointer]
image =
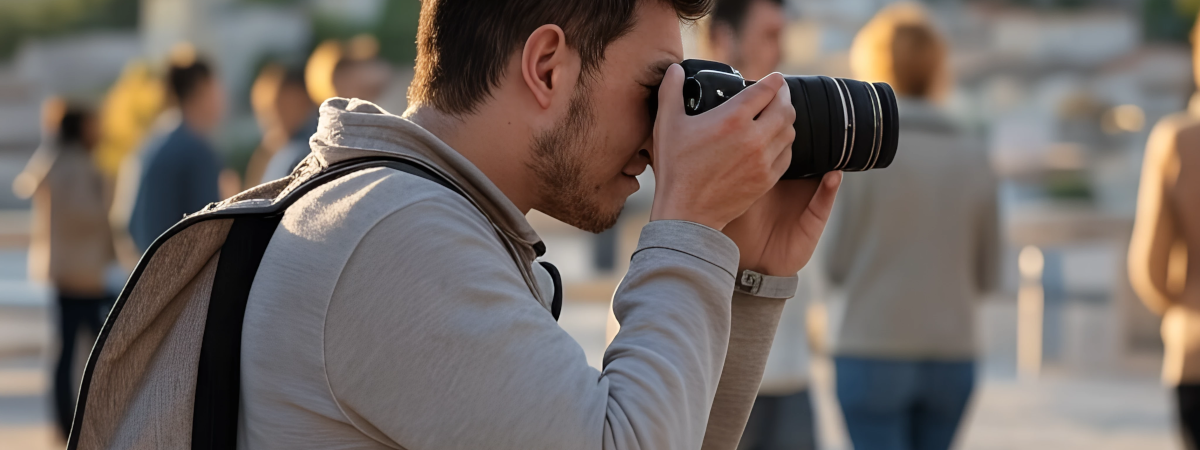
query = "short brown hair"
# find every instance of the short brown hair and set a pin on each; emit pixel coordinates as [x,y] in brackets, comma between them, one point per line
[463,46]
[733,12]
[186,71]
[901,47]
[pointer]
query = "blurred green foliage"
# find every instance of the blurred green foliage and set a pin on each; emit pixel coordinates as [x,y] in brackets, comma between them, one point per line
[41,18]
[1052,4]
[396,28]
[1068,185]
[1169,20]
[397,31]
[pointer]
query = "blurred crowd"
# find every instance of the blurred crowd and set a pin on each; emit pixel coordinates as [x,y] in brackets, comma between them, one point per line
[909,252]
[90,227]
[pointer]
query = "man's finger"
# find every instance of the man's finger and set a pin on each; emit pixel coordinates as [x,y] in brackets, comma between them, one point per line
[812,221]
[779,111]
[752,100]
[782,161]
[781,141]
[670,92]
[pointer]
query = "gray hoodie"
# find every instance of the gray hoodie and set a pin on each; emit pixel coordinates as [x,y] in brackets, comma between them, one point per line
[914,247]
[390,312]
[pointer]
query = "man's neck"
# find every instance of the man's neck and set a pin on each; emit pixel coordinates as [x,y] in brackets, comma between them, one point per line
[492,142]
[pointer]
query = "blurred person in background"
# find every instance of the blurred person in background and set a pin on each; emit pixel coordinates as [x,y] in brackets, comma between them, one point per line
[1166,238]
[914,248]
[71,246]
[285,113]
[178,171]
[747,34]
[350,69]
[129,112]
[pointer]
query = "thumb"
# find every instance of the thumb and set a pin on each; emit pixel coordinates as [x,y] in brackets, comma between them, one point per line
[816,215]
[670,92]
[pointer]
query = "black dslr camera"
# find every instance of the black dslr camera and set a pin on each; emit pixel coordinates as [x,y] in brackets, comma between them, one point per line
[841,124]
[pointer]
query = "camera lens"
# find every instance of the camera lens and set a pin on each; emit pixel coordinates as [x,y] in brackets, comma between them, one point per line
[841,124]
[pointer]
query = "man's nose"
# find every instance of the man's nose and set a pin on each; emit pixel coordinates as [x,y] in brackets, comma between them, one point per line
[647,148]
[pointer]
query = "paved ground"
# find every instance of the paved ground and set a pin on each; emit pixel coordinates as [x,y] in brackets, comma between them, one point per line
[24,406]
[1071,413]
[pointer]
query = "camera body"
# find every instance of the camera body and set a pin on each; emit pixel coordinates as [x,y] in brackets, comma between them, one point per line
[841,124]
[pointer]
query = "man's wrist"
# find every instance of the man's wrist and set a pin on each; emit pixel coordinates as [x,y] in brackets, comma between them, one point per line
[754,283]
[667,213]
[697,240]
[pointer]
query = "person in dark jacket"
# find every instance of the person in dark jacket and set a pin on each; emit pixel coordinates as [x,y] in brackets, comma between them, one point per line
[180,171]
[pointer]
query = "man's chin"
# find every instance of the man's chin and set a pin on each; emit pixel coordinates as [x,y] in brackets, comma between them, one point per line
[592,219]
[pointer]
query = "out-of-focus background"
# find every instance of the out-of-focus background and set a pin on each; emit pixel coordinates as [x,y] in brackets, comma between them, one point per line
[1063,93]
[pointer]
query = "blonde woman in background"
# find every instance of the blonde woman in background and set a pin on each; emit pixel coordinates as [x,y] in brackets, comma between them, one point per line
[913,249]
[1166,235]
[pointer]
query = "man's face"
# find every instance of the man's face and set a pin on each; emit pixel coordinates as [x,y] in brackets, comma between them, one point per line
[293,107]
[759,42]
[207,105]
[587,163]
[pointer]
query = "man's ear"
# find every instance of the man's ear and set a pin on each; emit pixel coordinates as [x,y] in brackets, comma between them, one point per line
[544,61]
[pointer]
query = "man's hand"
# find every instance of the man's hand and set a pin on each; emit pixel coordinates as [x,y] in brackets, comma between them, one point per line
[779,232]
[711,167]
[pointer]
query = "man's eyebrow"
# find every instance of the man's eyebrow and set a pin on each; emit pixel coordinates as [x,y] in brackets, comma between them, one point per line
[658,70]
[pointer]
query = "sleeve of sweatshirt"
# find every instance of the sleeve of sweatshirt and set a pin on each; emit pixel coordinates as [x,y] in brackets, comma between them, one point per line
[433,341]
[757,306]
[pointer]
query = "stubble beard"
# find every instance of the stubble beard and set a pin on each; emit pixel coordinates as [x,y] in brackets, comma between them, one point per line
[560,165]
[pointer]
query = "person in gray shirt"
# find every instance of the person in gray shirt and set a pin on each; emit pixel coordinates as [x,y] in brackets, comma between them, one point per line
[913,249]
[391,311]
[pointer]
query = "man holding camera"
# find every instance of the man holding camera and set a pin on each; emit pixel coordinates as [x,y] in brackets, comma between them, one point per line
[390,311]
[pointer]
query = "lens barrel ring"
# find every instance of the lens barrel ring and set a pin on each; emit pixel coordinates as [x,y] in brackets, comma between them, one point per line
[877,141]
[847,122]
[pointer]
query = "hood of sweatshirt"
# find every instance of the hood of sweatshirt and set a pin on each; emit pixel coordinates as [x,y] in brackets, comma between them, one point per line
[353,128]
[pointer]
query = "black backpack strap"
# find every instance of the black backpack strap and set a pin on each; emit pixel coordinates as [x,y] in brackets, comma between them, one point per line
[215,413]
[556,303]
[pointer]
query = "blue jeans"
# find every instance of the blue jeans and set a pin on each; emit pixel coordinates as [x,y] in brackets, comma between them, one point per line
[902,404]
[782,422]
